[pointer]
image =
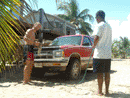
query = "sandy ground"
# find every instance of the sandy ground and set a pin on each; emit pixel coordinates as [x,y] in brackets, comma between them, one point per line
[55,86]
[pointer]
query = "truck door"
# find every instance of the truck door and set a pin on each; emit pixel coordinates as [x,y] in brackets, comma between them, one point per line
[86,50]
[86,47]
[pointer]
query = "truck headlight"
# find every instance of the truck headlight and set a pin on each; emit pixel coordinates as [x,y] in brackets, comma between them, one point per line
[58,53]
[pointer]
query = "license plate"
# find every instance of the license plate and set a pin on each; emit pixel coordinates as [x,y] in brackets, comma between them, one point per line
[38,65]
[48,64]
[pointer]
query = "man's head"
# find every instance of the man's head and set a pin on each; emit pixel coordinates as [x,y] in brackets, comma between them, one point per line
[100,16]
[37,26]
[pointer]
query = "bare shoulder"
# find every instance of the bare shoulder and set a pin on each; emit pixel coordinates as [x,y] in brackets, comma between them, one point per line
[29,32]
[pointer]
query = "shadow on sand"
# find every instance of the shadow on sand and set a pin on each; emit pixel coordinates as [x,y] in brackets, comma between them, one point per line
[118,60]
[49,79]
[118,95]
[5,86]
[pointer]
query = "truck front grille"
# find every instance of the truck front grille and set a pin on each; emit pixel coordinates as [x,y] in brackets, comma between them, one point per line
[43,55]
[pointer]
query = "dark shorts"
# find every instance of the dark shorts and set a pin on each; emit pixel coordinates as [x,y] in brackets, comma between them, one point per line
[28,52]
[101,65]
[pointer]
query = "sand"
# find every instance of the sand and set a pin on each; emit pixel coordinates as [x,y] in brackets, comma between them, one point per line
[55,86]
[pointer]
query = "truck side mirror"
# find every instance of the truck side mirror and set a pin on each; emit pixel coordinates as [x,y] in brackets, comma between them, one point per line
[86,44]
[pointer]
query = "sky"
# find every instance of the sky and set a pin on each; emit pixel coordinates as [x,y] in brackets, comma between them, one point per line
[117,13]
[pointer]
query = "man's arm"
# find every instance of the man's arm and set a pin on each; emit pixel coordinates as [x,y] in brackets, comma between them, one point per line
[29,33]
[96,39]
[36,43]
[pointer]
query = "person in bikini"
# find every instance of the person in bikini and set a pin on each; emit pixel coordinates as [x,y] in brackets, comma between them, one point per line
[30,42]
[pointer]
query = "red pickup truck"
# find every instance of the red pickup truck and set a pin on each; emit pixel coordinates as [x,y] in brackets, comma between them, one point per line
[68,54]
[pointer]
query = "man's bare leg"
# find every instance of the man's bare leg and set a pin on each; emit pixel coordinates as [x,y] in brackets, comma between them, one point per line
[30,69]
[100,82]
[27,71]
[107,82]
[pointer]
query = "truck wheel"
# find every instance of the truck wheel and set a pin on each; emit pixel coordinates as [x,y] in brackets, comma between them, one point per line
[74,69]
[37,72]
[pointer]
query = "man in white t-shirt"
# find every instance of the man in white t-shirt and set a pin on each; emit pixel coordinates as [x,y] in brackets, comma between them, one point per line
[102,53]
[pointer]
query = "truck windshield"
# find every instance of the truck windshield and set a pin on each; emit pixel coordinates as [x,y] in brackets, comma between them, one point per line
[70,40]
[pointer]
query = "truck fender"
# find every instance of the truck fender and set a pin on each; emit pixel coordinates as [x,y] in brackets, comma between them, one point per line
[75,56]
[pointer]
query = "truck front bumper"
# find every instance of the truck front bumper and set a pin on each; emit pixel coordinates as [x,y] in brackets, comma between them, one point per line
[50,62]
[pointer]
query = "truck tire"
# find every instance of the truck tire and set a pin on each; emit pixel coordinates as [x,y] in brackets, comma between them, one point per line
[73,69]
[38,72]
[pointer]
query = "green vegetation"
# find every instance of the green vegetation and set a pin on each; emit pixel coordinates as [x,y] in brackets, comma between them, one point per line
[9,39]
[121,48]
[73,15]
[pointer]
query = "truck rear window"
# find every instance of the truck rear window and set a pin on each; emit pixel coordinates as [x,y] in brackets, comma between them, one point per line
[69,40]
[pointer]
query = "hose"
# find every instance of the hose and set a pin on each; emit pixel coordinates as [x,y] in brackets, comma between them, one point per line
[85,71]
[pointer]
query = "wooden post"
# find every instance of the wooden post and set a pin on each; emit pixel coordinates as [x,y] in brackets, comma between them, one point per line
[64,27]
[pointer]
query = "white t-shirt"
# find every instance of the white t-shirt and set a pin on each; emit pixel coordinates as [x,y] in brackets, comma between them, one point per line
[103,47]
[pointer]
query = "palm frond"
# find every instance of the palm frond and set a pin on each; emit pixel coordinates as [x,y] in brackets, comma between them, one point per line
[74,9]
[83,31]
[83,13]
[91,18]
[88,24]
[64,17]
[59,1]
[121,38]
[9,39]
[33,3]
[125,42]
[87,16]
[65,8]
[85,28]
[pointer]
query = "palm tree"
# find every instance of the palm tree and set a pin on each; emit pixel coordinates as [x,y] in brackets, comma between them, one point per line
[120,48]
[125,42]
[9,39]
[115,48]
[124,46]
[77,18]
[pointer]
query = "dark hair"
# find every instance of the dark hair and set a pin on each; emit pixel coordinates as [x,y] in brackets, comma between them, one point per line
[101,14]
